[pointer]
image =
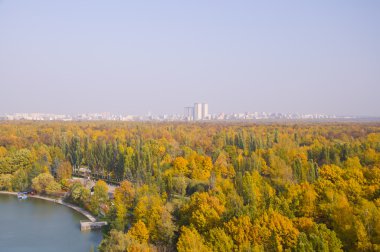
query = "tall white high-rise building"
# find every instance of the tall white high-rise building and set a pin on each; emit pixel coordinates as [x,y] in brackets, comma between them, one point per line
[204,111]
[197,111]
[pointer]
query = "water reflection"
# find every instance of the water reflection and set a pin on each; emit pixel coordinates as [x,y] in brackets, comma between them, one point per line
[36,225]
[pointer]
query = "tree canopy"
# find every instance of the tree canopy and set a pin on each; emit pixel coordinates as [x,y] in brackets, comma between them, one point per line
[208,186]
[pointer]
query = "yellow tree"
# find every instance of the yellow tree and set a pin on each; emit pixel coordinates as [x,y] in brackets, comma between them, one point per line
[180,166]
[240,229]
[275,232]
[151,210]
[45,183]
[190,240]
[200,166]
[219,241]
[64,170]
[222,167]
[203,211]
[124,197]
[100,197]
[301,199]
[139,232]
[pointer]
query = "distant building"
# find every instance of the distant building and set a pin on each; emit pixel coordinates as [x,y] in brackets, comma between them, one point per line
[189,113]
[204,111]
[197,111]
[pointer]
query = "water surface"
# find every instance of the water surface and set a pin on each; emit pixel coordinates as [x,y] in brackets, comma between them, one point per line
[36,225]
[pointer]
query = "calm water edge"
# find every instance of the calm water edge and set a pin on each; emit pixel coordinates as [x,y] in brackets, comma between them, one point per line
[39,226]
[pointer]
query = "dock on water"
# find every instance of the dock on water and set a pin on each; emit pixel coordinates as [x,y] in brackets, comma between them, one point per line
[91,225]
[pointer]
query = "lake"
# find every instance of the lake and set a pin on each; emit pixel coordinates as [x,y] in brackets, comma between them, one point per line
[36,225]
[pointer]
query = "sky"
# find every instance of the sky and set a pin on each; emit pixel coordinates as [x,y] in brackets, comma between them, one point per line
[136,57]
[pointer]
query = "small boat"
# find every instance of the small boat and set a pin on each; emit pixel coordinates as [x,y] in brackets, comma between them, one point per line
[21,195]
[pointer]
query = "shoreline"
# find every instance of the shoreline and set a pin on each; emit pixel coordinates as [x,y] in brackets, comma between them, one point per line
[59,201]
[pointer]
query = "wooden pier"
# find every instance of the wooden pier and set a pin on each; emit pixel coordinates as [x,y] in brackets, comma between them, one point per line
[91,225]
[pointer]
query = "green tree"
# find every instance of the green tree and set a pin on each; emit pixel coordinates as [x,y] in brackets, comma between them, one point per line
[79,194]
[115,242]
[20,181]
[75,152]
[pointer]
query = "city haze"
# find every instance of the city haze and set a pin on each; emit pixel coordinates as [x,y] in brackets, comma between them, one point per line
[158,57]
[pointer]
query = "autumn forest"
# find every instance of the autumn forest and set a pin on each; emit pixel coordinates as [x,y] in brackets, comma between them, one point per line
[208,186]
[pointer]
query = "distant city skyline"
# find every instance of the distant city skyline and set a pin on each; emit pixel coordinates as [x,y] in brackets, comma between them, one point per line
[248,116]
[132,57]
[198,112]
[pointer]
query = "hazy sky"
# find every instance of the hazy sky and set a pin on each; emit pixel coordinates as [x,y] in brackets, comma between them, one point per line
[133,57]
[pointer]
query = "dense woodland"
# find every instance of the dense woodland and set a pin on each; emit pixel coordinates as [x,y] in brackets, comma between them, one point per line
[209,186]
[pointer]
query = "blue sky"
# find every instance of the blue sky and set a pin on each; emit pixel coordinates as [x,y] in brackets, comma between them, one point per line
[136,57]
